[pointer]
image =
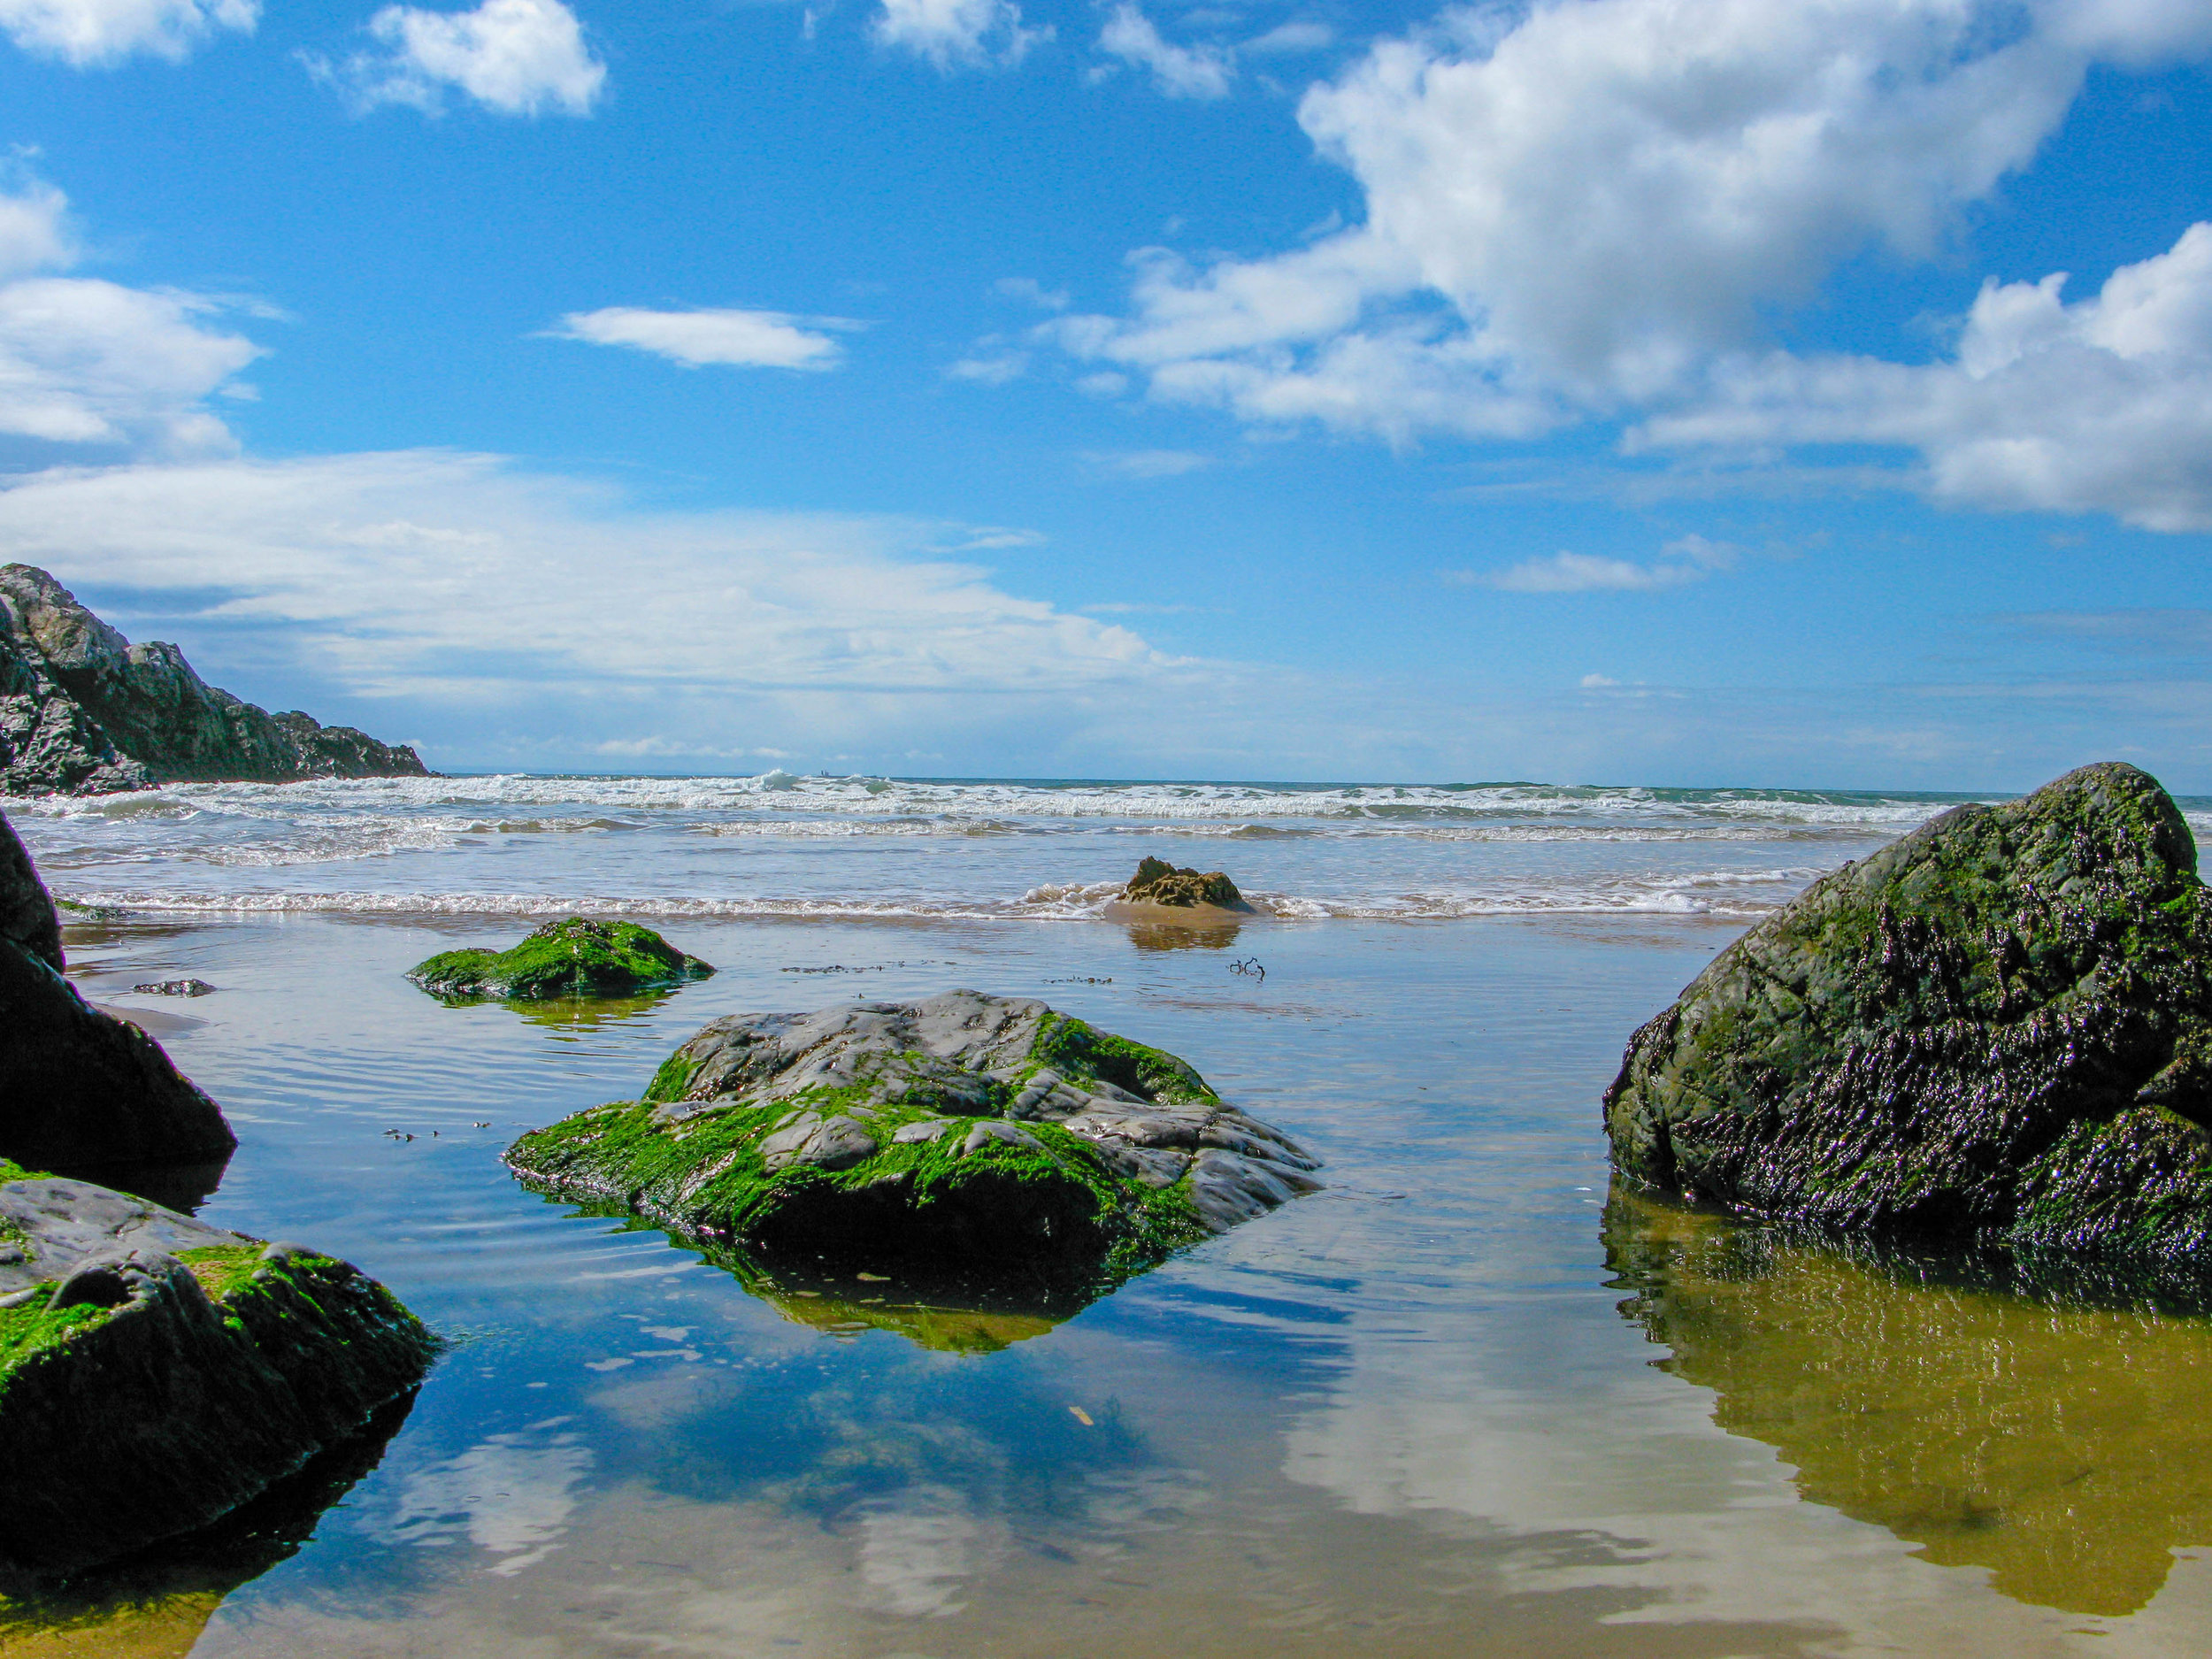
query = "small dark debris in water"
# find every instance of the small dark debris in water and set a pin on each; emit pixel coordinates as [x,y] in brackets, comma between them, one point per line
[482,1125]
[1249,967]
[173,988]
[397,1135]
[873,967]
[1081,979]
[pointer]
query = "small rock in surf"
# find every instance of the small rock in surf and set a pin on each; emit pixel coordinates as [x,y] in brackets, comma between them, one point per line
[573,957]
[970,1132]
[1160,882]
[1998,1027]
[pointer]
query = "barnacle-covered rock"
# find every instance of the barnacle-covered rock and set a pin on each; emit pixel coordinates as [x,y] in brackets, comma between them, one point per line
[1999,1026]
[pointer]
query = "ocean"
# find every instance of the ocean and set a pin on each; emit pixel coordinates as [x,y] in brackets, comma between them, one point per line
[1469,1398]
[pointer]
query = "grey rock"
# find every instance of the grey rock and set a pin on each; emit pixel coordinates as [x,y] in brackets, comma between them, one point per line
[81,1090]
[84,712]
[1005,1133]
[925,1129]
[160,1408]
[174,987]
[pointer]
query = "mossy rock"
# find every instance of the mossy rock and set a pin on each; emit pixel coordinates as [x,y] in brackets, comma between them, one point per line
[989,1136]
[156,1373]
[573,958]
[1160,882]
[1998,1027]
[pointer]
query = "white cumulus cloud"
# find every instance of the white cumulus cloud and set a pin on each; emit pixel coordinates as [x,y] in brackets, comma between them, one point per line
[90,33]
[1595,210]
[1178,72]
[513,56]
[767,340]
[958,34]
[87,364]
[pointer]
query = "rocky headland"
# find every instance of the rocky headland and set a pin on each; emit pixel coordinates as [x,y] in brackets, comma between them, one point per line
[156,1373]
[573,958]
[84,712]
[1997,1028]
[986,1135]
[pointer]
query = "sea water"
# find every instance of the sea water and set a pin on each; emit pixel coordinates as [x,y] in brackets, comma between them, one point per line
[1468,1399]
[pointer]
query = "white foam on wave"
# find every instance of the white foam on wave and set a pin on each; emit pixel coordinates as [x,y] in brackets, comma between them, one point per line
[1709,893]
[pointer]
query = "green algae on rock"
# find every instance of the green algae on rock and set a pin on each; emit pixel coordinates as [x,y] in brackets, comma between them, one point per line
[156,1373]
[1160,882]
[1998,1027]
[981,1133]
[573,958]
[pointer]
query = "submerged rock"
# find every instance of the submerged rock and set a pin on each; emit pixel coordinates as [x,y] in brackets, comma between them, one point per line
[156,1373]
[1160,882]
[80,1089]
[84,712]
[573,958]
[1998,1026]
[966,1132]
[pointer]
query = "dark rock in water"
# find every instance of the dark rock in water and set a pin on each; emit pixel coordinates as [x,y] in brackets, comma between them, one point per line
[78,1089]
[1998,1026]
[983,1133]
[84,712]
[156,1373]
[573,958]
[1160,882]
[174,987]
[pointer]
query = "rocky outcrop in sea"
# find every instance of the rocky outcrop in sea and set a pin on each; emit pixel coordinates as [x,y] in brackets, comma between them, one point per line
[84,712]
[1997,1028]
[986,1135]
[1160,882]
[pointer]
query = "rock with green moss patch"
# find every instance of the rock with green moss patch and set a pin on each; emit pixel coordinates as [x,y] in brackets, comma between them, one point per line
[1998,1027]
[156,1373]
[576,956]
[1160,882]
[969,1131]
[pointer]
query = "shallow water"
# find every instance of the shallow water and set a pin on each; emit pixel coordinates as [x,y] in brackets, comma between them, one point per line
[1463,1401]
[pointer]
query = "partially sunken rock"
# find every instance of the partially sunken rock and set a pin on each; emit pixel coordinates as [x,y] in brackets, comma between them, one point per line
[573,958]
[84,712]
[968,1131]
[80,1089]
[156,1373]
[1160,882]
[1999,1026]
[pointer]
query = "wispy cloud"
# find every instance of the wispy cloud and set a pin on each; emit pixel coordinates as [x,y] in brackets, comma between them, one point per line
[512,56]
[1145,464]
[89,33]
[743,339]
[958,34]
[1689,559]
[1178,72]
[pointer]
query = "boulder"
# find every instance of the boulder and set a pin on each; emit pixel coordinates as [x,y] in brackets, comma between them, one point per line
[1160,882]
[985,1134]
[156,1373]
[1998,1027]
[81,1090]
[84,712]
[573,958]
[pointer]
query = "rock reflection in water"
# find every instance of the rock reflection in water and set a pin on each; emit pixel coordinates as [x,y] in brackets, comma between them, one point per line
[577,1015]
[1215,930]
[2055,1437]
[155,1604]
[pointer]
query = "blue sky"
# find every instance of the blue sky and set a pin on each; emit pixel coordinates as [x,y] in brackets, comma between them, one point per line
[1659,391]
